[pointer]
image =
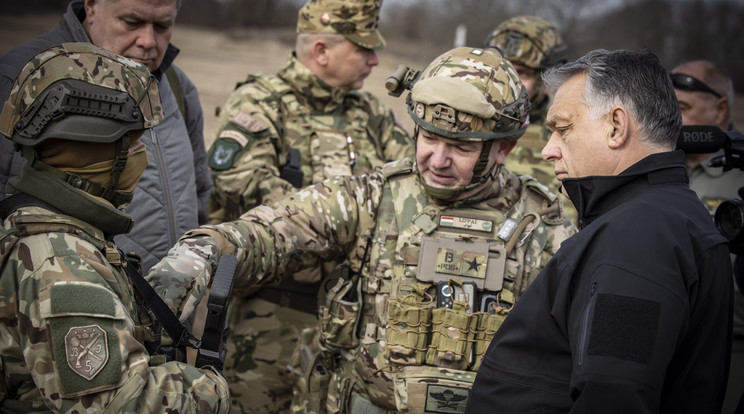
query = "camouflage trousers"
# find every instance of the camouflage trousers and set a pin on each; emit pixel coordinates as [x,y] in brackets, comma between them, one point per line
[262,338]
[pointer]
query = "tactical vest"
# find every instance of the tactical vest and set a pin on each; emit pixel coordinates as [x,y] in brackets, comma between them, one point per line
[438,284]
[330,144]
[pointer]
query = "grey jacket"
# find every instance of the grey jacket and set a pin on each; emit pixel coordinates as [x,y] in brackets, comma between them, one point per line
[173,194]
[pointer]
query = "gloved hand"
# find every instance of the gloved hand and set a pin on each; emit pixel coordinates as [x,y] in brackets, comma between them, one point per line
[182,277]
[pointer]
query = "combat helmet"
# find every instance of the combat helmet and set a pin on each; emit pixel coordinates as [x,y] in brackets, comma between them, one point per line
[470,94]
[529,41]
[79,92]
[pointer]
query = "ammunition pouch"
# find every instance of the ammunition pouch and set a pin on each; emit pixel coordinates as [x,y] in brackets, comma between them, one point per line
[340,311]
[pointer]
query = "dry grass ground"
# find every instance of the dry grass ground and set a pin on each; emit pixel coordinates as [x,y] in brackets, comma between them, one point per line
[216,61]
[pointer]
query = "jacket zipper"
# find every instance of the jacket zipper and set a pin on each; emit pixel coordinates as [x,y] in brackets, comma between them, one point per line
[585,323]
[166,192]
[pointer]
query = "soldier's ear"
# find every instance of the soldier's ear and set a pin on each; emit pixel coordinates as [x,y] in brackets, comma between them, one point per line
[90,8]
[320,52]
[722,111]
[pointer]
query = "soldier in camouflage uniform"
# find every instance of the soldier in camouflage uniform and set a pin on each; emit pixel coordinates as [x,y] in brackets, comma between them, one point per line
[73,331]
[438,248]
[278,133]
[532,45]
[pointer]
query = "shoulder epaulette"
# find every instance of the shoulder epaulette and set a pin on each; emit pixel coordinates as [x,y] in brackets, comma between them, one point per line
[552,212]
[536,186]
[394,168]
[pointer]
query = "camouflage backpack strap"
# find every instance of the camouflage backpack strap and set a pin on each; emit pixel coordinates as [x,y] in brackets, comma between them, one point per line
[177,89]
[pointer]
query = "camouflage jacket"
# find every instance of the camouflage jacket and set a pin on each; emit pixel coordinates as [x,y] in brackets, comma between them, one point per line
[390,211]
[72,328]
[269,115]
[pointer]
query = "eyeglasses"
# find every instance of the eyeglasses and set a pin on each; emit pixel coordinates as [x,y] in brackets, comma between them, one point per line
[688,83]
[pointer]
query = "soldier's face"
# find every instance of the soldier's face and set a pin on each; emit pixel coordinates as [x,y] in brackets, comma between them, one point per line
[578,144]
[700,108]
[137,29]
[349,65]
[448,163]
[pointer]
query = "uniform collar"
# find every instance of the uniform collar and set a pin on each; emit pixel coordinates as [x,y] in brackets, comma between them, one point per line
[595,195]
[317,94]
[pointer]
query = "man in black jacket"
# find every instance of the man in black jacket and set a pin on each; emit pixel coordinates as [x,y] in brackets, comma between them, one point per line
[633,314]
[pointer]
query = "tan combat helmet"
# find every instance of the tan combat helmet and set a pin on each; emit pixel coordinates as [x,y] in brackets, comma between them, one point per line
[79,92]
[474,95]
[355,19]
[529,41]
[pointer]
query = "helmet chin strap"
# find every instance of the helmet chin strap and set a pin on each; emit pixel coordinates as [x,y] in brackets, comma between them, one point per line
[122,155]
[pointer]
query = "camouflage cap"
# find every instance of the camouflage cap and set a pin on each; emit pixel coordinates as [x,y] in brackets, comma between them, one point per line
[529,41]
[471,94]
[355,19]
[78,91]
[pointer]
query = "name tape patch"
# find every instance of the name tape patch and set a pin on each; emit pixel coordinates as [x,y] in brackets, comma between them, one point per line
[466,223]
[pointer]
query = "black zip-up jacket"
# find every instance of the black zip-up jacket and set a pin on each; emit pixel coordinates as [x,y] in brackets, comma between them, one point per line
[633,313]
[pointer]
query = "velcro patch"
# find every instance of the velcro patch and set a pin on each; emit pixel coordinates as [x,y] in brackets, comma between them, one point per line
[466,223]
[624,327]
[223,154]
[237,136]
[446,399]
[247,121]
[461,263]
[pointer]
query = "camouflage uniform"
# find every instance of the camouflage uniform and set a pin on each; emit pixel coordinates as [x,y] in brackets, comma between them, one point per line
[73,330]
[381,339]
[332,131]
[533,42]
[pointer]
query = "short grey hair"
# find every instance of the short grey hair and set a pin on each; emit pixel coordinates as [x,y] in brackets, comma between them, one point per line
[303,45]
[178,4]
[635,80]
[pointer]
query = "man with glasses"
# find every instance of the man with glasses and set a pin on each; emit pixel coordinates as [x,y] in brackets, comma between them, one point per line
[706,97]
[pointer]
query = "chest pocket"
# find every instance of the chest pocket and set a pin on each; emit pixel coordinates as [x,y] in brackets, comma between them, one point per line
[329,144]
[85,320]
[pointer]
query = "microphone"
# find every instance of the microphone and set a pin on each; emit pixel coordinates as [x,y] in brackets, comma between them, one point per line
[701,139]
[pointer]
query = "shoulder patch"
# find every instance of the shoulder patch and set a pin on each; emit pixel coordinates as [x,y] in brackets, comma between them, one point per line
[248,122]
[86,348]
[237,136]
[222,154]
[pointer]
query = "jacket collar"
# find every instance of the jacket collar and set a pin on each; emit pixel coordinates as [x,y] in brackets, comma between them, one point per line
[72,21]
[317,94]
[595,195]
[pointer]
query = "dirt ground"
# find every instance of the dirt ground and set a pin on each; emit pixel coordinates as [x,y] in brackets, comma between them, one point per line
[215,62]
